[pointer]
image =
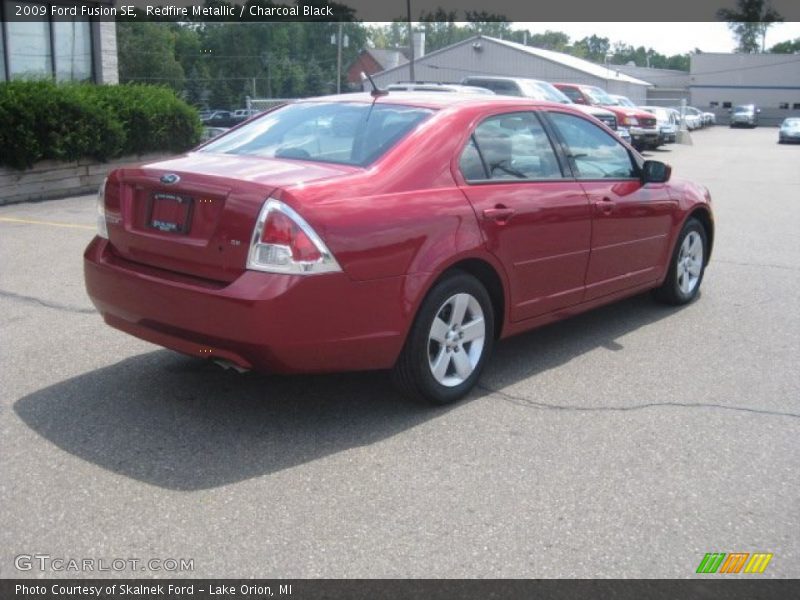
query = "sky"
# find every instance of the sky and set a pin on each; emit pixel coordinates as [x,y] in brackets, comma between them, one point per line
[666,38]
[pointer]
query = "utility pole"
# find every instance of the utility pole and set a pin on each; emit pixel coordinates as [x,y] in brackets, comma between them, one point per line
[410,43]
[339,60]
[267,63]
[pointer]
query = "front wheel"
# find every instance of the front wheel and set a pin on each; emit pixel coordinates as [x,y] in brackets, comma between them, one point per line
[687,266]
[449,342]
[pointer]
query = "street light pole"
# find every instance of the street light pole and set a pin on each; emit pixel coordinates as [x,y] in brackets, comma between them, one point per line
[410,43]
[339,60]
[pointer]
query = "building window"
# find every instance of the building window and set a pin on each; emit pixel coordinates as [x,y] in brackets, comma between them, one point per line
[784,105]
[726,104]
[713,104]
[796,106]
[28,48]
[45,48]
[73,50]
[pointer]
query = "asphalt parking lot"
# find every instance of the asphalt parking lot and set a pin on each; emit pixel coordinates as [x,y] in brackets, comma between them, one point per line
[626,442]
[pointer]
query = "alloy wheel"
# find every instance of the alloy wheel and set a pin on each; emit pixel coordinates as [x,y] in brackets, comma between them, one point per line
[456,339]
[690,262]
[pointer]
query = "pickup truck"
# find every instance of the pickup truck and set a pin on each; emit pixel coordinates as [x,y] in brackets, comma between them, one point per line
[642,125]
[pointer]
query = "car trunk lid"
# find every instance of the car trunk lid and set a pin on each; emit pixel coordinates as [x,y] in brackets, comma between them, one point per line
[195,214]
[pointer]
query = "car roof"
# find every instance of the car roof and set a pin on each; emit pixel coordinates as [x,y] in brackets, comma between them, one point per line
[401,86]
[433,99]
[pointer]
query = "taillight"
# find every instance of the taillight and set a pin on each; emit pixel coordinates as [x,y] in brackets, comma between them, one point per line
[102,229]
[284,243]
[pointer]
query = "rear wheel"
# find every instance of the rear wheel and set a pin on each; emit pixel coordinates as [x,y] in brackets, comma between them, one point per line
[449,342]
[687,266]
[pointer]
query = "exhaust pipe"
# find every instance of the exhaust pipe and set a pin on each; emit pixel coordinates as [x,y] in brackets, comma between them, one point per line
[227,364]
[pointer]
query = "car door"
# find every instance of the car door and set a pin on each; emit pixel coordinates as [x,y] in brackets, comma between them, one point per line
[534,218]
[631,221]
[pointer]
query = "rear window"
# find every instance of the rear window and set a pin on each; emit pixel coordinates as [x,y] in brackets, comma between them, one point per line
[498,86]
[339,132]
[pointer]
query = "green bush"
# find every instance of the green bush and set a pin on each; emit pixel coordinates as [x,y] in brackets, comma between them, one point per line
[41,120]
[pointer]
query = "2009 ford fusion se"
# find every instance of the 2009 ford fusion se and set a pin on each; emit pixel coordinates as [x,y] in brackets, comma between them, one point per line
[402,231]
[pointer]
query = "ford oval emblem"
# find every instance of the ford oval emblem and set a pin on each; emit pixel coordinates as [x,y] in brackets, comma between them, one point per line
[170,178]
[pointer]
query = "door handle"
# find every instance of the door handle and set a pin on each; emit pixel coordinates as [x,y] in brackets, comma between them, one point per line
[605,206]
[500,213]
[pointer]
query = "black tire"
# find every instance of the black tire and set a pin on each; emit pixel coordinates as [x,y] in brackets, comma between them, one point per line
[413,371]
[670,292]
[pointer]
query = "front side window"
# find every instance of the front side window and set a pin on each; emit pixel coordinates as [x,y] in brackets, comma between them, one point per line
[339,132]
[511,146]
[573,94]
[595,154]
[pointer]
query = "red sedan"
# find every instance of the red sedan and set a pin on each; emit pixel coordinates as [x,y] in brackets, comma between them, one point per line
[403,231]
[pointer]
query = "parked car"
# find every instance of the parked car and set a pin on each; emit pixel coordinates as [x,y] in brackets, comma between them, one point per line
[405,232]
[420,86]
[666,121]
[789,131]
[242,114]
[697,116]
[221,118]
[692,117]
[537,89]
[642,125]
[745,115]
[709,118]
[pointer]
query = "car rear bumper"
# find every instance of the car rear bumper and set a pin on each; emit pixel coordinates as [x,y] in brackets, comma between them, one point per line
[263,321]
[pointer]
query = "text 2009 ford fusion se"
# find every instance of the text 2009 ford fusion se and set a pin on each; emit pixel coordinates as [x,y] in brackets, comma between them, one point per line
[402,231]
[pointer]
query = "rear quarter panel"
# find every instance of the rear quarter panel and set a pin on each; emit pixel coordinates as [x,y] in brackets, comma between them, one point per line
[403,215]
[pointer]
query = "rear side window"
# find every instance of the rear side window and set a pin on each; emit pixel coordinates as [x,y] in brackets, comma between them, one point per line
[510,147]
[337,132]
[572,94]
[595,154]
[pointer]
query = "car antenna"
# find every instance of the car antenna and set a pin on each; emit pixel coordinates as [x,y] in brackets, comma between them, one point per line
[376,92]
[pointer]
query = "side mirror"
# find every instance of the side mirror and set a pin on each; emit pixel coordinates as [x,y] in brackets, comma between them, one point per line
[655,171]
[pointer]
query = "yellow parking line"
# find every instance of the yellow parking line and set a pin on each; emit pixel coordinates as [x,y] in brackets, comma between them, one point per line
[51,223]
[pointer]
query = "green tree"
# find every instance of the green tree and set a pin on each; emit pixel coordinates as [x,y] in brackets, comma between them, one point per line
[490,24]
[146,53]
[592,48]
[787,47]
[749,23]
[550,40]
[441,29]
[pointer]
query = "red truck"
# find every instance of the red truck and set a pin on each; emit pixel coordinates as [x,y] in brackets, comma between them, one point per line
[643,126]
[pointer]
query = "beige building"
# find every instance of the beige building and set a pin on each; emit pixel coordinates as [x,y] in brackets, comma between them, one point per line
[720,81]
[482,55]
